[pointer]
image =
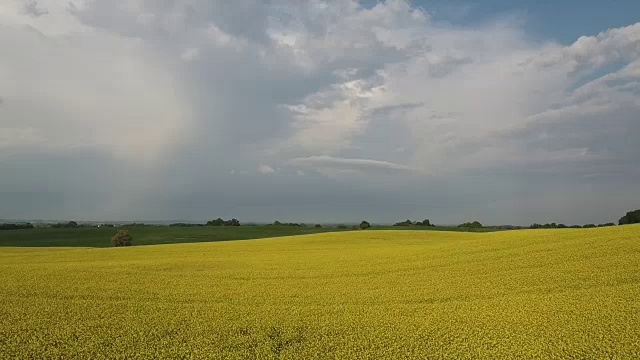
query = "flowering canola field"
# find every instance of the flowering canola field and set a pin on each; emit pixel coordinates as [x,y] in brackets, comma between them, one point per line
[552,294]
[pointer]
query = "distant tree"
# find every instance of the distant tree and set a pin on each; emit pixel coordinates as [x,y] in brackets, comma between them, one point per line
[232,222]
[426,222]
[70,224]
[588,226]
[632,217]
[16,226]
[364,225]
[215,222]
[606,224]
[562,226]
[473,225]
[122,238]
[318,226]
[278,223]
[184,225]
[221,222]
[342,226]
[403,223]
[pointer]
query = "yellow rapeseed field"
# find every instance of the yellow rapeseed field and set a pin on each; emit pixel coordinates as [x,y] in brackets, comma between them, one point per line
[531,294]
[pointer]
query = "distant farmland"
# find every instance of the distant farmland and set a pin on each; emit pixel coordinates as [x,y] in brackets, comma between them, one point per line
[570,293]
[154,235]
[148,235]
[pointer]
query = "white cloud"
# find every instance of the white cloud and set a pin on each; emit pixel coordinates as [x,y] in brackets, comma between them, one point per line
[190,54]
[475,87]
[328,162]
[265,169]
[87,89]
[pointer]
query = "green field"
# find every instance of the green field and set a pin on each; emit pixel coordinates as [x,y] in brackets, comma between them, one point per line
[525,294]
[148,235]
[154,235]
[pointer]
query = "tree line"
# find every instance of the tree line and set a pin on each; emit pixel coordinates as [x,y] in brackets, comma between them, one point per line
[221,222]
[563,226]
[631,217]
[20,226]
[408,222]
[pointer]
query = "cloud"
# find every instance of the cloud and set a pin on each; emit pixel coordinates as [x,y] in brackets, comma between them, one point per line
[190,54]
[96,91]
[32,8]
[265,169]
[344,164]
[176,94]
[466,113]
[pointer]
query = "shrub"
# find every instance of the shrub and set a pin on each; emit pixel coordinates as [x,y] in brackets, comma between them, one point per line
[16,226]
[403,223]
[70,224]
[364,225]
[221,222]
[475,224]
[122,238]
[426,222]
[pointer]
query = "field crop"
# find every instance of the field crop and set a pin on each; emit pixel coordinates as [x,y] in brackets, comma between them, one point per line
[551,294]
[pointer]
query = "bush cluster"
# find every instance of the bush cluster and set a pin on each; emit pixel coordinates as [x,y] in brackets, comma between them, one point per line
[221,222]
[122,238]
[21,226]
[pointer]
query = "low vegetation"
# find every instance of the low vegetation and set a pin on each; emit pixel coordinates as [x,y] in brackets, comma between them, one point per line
[632,217]
[122,238]
[471,225]
[220,222]
[543,294]
[408,222]
[14,226]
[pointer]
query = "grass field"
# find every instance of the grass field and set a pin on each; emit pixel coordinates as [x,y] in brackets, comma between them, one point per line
[148,235]
[526,294]
[154,235]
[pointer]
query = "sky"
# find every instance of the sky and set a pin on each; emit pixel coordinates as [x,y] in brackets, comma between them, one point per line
[320,111]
